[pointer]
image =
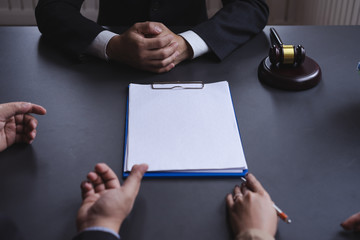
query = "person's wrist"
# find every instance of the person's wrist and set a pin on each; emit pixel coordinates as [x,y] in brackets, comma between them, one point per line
[112,47]
[184,49]
[254,233]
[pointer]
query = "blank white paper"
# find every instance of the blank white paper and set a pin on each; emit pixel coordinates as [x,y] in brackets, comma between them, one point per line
[183,129]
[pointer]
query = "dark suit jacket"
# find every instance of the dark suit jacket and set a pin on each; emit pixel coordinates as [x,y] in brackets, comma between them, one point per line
[238,21]
[95,235]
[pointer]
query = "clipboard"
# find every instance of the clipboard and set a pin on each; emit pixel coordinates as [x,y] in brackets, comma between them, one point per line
[171,92]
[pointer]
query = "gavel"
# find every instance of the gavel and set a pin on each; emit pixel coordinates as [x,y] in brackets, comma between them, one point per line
[280,53]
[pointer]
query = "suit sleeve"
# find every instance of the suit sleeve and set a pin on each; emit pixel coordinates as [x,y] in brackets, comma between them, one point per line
[95,235]
[233,25]
[61,22]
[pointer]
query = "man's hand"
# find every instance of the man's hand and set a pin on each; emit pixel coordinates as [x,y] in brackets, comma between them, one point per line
[16,125]
[352,223]
[105,202]
[184,49]
[251,208]
[144,47]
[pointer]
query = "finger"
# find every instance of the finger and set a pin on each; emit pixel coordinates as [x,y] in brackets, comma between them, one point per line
[30,122]
[352,223]
[160,66]
[229,201]
[168,52]
[29,136]
[159,70]
[86,189]
[244,188]
[25,128]
[96,181]
[132,183]
[149,28]
[19,118]
[253,184]
[158,42]
[25,137]
[237,190]
[107,175]
[161,63]
[11,109]
[37,109]
[20,129]
[27,125]
[237,193]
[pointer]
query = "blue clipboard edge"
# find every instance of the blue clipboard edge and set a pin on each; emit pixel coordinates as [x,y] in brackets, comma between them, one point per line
[178,174]
[126,131]
[189,174]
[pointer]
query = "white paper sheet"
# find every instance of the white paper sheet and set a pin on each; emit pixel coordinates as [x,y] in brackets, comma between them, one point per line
[183,129]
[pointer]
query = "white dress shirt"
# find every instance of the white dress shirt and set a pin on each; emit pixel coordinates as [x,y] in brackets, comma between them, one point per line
[99,44]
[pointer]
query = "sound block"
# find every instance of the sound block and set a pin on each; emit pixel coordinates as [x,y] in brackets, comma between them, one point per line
[295,78]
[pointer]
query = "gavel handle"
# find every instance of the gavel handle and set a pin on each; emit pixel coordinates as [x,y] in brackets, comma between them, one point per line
[275,38]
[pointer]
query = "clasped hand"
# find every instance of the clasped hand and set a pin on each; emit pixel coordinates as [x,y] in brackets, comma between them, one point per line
[149,46]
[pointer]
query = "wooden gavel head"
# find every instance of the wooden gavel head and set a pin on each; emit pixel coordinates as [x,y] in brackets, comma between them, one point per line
[287,54]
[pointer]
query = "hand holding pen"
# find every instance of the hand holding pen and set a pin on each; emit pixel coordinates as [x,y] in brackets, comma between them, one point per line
[251,208]
[283,216]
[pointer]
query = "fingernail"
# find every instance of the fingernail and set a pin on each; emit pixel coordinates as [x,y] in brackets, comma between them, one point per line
[143,167]
[158,29]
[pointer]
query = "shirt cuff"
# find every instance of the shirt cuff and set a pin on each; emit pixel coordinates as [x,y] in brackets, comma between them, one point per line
[104,229]
[198,45]
[98,46]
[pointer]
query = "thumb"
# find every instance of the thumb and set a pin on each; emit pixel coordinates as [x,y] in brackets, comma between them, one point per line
[149,28]
[8,110]
[132,183]
[352,223]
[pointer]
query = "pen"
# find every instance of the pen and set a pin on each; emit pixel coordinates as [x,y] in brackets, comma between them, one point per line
[279,212]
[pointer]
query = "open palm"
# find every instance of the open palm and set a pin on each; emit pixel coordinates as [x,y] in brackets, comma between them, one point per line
[16,125]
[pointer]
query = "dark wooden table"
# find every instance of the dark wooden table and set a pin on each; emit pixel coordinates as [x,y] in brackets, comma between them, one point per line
[303,146]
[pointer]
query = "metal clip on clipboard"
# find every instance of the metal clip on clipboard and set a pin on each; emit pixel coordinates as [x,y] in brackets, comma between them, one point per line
[177,85]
